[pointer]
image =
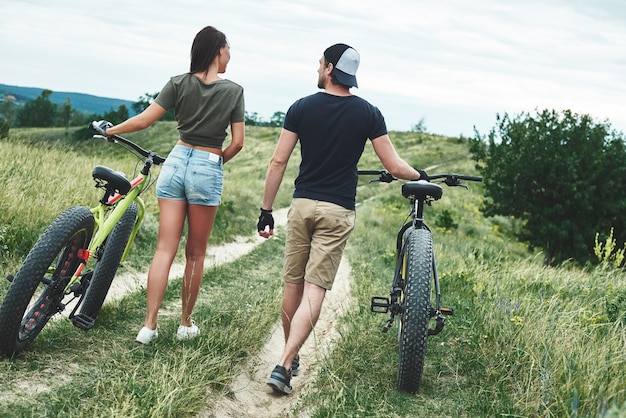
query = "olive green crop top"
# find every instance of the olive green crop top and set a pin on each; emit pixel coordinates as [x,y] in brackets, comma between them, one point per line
[203,111]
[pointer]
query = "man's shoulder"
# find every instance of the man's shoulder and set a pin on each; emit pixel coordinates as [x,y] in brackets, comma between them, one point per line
[322,97]
[310,98]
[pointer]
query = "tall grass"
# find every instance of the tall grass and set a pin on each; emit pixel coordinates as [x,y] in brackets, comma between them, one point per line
[525,340]
[44,171]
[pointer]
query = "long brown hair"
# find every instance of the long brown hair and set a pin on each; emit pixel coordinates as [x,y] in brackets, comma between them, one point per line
[206,45]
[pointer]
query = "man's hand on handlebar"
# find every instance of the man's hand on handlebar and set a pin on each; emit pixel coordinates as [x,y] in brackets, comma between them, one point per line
[101,126]
[423,174]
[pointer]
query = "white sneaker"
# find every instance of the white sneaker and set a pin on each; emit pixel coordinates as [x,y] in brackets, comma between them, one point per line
[185,333]
[147,335]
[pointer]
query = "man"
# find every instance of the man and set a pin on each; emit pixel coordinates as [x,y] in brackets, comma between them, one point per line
[333,127]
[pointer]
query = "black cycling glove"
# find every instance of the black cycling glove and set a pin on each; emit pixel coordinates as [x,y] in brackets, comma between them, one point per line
[265,219]
[423,174]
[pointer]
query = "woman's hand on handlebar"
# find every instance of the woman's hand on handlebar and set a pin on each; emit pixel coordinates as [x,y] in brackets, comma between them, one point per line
[101,126]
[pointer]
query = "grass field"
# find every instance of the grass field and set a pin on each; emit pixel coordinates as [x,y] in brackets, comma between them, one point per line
[525,341]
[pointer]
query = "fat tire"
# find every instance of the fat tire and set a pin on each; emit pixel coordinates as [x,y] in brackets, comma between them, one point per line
[53,257]
[106,267]
[413,333]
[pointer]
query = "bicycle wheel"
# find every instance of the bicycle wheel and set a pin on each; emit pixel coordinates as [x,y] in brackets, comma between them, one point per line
[106,267]
[37,290]
[413,332]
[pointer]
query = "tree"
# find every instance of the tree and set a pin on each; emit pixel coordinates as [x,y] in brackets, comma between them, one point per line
[143,102]
[39,112]
[419,126]
[8,113]
[117,116]
[559,173]
[4,128]
[8,110]
[64,114]
[252,119]
[277,119]
[146,100]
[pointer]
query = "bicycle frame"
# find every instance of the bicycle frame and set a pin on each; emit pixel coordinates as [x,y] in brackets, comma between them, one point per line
[115,208]
[417,215]
[419,194]
[417,221]
[106,216]
[111,209]
[59,269]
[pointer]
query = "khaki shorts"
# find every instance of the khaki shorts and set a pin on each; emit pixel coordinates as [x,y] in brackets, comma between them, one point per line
[316,237]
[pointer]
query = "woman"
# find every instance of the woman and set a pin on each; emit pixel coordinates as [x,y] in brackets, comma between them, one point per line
[190,183]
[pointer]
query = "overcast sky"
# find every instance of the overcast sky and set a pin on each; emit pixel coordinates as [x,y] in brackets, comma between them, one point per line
[453,63]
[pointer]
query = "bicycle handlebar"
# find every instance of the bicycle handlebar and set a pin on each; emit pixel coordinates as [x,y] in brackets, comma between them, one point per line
[450,179]
[454,176]
[153,157]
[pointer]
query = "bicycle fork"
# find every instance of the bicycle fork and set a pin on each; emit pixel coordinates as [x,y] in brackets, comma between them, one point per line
[395,305]
[438,312]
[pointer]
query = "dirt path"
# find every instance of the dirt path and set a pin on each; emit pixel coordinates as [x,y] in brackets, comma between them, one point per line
[216,255]
[251,397]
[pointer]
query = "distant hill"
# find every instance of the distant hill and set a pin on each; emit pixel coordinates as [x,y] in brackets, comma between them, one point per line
[84,103]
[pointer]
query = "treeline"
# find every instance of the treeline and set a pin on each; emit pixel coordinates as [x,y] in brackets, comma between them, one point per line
[41,112]
[560,176]
[556,176]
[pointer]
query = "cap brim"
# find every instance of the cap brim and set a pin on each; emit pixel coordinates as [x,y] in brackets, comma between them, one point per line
[346,79]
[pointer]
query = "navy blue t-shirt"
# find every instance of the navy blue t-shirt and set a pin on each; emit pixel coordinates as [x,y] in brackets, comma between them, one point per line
[332,131]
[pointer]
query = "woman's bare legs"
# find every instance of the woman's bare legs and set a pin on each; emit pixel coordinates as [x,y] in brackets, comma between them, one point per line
[173,213]
[200,220]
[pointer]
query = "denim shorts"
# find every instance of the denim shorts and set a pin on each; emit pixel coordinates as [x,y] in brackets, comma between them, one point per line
[192,175]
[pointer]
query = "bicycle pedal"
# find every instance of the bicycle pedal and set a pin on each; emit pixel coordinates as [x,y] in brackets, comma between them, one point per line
[379,304]
[83,322]
[10,278]
[447,311]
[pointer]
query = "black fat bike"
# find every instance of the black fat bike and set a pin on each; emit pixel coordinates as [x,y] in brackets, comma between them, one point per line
[415,296]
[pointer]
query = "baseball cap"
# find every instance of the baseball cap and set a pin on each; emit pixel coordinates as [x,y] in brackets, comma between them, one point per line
[345,61]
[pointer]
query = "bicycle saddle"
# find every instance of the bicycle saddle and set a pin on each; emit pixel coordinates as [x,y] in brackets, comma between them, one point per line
[114,179]
[422,189]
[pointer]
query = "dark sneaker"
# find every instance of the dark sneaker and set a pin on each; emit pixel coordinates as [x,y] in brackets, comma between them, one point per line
[295,366]
[279,380]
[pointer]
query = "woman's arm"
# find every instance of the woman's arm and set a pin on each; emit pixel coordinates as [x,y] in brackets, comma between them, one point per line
[237,131]
[138,122]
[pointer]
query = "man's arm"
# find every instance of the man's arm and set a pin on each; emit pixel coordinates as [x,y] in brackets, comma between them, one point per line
[391,160]
[278,163]
[275,171]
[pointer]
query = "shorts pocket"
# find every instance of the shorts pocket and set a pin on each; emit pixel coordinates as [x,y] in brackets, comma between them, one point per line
[207,183]
[164,181]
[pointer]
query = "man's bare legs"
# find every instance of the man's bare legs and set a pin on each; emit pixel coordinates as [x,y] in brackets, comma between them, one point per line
[302,304]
